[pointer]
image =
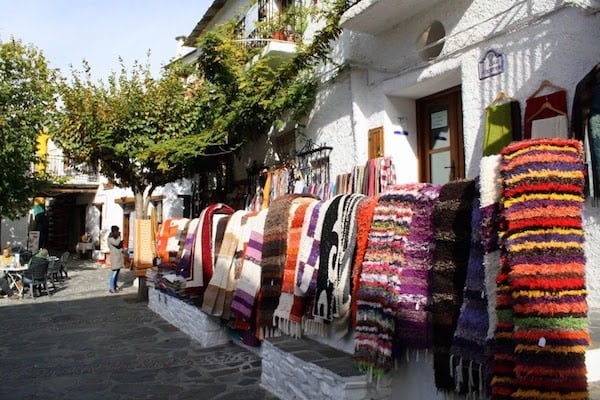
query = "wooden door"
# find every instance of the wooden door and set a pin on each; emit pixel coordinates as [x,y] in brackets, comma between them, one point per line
[440,137]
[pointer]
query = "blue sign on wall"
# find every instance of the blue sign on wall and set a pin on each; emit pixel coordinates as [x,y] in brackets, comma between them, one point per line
[491,64]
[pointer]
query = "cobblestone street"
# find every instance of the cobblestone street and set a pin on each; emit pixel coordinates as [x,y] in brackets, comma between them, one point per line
[84,343]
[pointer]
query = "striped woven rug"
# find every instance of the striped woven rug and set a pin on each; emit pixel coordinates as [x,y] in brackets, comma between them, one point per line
[544,263]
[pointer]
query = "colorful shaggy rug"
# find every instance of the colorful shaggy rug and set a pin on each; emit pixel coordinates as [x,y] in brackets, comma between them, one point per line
[380,292]
[544,272]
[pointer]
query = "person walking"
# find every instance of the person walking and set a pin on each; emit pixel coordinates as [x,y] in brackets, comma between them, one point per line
[115,245]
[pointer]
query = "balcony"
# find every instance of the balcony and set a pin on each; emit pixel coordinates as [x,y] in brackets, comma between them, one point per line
[275,49]
[273,30]
[62,167]
[376,16]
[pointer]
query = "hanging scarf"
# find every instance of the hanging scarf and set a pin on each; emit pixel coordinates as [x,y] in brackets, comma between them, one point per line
[221,284]
[413,317]
[287,299]
[452,220]
[543,186]
[338,242]
[244,298]
[272,263]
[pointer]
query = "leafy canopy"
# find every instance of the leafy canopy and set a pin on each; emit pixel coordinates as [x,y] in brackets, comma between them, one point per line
[110,125]
[27,99]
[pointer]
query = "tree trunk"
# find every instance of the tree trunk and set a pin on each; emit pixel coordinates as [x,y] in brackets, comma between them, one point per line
[141,212]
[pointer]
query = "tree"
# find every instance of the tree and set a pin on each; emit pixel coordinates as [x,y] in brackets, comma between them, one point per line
[111,125]
[27,100]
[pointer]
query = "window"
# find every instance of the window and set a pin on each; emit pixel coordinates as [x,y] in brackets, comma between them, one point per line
[376,143]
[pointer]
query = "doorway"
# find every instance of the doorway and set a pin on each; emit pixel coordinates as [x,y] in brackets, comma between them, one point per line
[440,137]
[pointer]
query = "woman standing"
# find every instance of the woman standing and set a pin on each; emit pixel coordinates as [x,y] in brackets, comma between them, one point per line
[115,245]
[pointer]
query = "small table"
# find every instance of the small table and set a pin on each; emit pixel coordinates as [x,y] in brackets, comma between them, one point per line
[12,273]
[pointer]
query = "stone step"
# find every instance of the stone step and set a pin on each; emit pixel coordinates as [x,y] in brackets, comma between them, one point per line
[307,370]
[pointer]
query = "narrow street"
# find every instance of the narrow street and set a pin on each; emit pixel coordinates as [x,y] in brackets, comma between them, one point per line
[84,343]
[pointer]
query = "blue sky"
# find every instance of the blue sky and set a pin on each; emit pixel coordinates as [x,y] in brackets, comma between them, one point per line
[100,31]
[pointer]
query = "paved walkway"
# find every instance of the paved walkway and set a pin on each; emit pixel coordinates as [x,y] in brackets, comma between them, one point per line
[84,343]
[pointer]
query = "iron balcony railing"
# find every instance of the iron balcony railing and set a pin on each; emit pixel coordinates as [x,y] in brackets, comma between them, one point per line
[61,167]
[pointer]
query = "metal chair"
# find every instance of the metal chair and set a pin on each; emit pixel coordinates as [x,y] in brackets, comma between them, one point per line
[62,264]
[54,270]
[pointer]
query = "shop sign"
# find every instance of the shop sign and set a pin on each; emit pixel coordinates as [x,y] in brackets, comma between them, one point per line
[491,64]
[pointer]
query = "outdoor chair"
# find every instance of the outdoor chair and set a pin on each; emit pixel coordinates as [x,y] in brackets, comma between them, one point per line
[54,271]
[62,264]
[39,281]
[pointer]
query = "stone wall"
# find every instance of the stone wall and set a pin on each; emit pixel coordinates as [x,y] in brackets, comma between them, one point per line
[205,329]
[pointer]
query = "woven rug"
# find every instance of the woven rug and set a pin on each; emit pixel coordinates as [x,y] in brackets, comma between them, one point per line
[468,350]
[543,186]
[274,253]
[220,286]
[338,244]
[282,314]
[244,297]
[364,217]
[307,268]
[380,281]
[413,310]
[206,243]
[452,220]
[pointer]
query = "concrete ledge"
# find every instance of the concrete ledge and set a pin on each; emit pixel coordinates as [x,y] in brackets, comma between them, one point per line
[307,370]
[205,329]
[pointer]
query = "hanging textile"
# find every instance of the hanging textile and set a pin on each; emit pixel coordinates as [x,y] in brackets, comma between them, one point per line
[168,241]
[219,291]
[452,220]
[287,301]
[338,244]
[307,262]
[468,356]
[413,317]
[543,182]
[274,252]
[380,281]
[244,298]
[502,126]
[187,254]
[489,189]
[371,179]
[542,107]
[208,235]
[307,268]
[364,218]
[585,125]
